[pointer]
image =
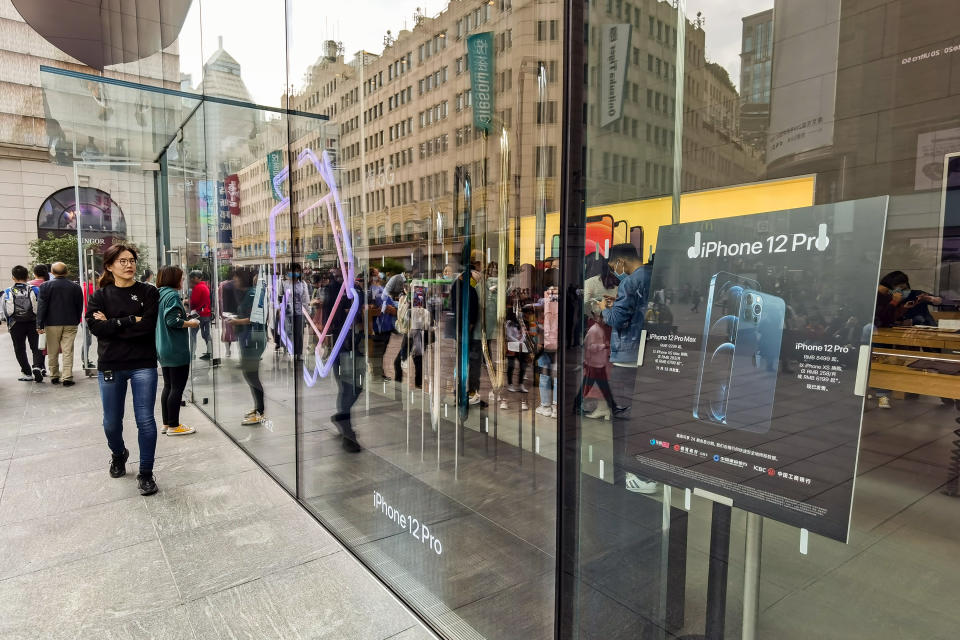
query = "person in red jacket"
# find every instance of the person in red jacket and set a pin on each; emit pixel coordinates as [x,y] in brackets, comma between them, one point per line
[200,302]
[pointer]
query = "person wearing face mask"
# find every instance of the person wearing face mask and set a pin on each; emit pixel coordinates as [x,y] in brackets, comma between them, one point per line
[297,295]
[897,302]
[625,317]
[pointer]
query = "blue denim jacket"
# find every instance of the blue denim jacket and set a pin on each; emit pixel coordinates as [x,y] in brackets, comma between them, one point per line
[626,316]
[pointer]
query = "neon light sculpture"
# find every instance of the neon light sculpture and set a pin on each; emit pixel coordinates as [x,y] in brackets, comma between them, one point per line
[341,236]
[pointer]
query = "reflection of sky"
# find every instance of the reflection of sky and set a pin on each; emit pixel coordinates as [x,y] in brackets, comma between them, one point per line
[310,23]
[724,29]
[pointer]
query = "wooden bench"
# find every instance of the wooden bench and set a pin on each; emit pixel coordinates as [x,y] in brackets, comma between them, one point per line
[903,344]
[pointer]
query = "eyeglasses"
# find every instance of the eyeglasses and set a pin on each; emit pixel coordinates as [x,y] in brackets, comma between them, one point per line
[125,262]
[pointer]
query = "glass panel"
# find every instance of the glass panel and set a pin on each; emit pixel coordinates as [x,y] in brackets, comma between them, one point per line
[416,447]
[761,170]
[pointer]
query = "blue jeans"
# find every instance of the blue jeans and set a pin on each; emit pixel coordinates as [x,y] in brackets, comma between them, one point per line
[548,388]
[204,330]
[113,395]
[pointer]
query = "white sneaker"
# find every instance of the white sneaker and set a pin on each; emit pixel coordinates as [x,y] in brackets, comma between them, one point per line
[513,388]
[504,405]
[553,411]
[883,402]
[473,398]
[636,485]
[524,406]
[543,410]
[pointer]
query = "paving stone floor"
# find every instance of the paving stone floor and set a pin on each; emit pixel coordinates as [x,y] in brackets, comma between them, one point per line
[220,552]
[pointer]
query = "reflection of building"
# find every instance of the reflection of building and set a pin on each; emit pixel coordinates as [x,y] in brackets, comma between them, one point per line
[756,55]
[868,111]
[402,122]
[227,133]
[28,140]
[634,156]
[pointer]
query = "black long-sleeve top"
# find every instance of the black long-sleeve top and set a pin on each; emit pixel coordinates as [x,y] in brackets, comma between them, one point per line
[122,342]
[60,303]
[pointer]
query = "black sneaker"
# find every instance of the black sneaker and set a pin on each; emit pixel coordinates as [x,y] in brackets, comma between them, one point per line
[37,374]
[351,446]
[146,484]
[55,380]
[69,383]
[205,356]
[118,464]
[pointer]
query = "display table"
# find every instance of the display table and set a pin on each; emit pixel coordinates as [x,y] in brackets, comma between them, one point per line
[895,348]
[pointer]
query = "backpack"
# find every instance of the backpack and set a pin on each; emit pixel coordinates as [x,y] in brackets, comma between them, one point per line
[551,312]
[20,304]
[403,315]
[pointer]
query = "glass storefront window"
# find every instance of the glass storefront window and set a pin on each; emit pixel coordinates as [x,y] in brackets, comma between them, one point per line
[756,484]
[653,334]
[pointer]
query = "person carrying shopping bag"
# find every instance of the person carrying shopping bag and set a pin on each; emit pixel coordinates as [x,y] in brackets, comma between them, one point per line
[173,349]
[122,313]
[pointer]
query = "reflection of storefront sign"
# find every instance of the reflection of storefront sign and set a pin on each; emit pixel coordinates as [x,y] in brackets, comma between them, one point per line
[274,167]
[480,49]
[762,408]
[224,220]
[931,149]
[615,47]
[804,77]
[928,55]
[232,184]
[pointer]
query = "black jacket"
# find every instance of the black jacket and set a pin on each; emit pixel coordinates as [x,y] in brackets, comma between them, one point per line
[122,342]
[60,304]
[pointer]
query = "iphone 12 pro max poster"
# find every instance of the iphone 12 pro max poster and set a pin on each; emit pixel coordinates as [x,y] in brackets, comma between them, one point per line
[750,391]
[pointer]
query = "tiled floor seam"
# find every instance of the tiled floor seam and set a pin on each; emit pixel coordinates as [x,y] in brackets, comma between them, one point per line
[166,559]
[97,504]
[72,561]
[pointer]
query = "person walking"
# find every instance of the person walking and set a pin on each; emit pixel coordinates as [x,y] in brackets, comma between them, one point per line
[20,312]
[626,316]
[200,302]
[226,307]
[122,313]
[173,349]
[41,275]
[251,330]
[59,311]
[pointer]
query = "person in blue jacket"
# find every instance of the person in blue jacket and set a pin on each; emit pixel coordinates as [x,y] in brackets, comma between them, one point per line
[625,317]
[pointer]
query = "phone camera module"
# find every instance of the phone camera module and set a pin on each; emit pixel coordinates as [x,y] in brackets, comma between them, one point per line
[757,309]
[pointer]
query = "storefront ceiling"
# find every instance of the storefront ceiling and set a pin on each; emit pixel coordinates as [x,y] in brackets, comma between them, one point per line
[100,33]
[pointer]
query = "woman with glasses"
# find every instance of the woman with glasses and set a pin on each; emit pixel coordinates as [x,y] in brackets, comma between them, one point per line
[122,313]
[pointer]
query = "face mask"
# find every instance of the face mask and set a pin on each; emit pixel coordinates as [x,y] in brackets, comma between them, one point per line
[904,292]
[620,275]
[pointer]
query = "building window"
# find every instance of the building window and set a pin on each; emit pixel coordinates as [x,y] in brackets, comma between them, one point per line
[545,167]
